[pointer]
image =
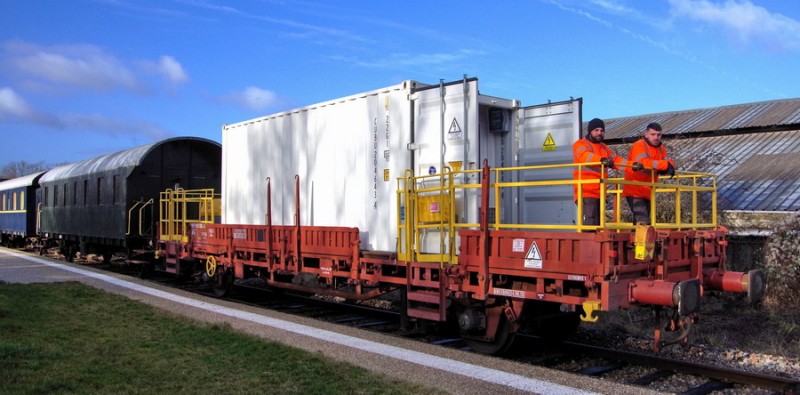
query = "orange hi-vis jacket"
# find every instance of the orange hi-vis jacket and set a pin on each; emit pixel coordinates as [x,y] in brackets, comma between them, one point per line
[585,151]
[651,158]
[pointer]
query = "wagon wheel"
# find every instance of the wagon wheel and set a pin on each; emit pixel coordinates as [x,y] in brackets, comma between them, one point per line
[503,339]
[221,279]
[211,266]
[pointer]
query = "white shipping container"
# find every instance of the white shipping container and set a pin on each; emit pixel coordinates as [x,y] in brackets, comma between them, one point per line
[349,152]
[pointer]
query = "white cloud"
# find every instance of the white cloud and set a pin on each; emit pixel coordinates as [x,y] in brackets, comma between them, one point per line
[169,68]
[83,66]
[11,103]
[86,67]
[254,98]
[406,60]
[14,106]
[303,30]
[744,21]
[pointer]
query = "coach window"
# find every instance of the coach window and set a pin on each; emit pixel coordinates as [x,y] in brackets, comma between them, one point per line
[46,195]
[65,196]
[4,202]
[116,192]
[75,193]
[55,195]
[22,200]
[13,201]
[100,191]
[85,192]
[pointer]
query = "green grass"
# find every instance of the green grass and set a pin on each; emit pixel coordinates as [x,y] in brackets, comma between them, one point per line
[71,338]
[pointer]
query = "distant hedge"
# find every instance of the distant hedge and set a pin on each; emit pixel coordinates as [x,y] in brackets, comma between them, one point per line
[782,264]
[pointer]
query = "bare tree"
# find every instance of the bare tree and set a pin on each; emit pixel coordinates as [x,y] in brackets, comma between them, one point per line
[21,168]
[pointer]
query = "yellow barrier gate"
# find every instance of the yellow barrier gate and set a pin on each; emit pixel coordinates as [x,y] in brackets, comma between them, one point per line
[181,207]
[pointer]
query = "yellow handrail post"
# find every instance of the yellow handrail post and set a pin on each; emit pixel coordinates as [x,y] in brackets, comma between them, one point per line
[149,202]
[129,217]
[714,202]
[694,201]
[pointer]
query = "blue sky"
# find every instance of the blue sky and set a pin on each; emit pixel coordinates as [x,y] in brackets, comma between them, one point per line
[83,78]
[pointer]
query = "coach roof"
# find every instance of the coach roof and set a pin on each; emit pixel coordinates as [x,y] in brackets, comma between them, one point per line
[124,159]
[24,181]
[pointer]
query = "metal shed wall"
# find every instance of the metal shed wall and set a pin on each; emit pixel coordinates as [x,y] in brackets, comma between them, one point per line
[752,117]
[755,171]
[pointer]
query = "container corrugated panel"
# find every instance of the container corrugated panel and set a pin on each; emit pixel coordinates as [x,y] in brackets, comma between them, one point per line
[340,151]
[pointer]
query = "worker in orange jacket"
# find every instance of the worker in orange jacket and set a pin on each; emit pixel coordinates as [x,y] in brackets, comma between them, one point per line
[592,149]
[651,153]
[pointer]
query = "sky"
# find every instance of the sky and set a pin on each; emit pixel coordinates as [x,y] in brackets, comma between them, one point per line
[85,78]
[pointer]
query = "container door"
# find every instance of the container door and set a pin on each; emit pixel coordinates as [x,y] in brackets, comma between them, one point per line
[445,126]
[546,135]
[445,136]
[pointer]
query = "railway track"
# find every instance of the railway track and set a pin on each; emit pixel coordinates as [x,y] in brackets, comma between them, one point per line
[639,369]
[719,377]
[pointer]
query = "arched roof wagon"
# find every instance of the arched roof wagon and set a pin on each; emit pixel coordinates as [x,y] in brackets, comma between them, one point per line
[110,201]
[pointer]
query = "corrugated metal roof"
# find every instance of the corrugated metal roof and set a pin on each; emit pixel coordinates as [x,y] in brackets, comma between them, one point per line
[755,171]
[24,181]
[129,158]
[768,114]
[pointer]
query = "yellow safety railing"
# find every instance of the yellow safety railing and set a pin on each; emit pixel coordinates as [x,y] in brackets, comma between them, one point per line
[675,203]
[180,208]
[428,204]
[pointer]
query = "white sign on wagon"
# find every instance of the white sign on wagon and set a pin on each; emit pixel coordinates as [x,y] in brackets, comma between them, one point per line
[533,260]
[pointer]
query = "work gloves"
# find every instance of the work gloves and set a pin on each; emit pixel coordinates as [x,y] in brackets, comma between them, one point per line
[637,166]
[606,162]
[669,172]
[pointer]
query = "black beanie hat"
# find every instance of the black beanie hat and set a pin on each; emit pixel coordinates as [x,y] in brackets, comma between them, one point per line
[594,124]
[654,125]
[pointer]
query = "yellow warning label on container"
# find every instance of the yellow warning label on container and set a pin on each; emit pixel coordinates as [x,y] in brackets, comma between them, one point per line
[549,144]
[385,174]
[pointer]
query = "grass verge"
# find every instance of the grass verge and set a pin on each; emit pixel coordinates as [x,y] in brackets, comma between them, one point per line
[71,338]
